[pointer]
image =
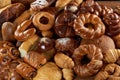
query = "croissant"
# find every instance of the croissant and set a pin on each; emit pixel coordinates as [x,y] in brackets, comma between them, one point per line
[110,72]
[21,34]
[112,55]
[63,61]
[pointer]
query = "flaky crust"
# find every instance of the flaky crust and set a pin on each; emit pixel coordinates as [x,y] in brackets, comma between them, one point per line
[97,30]
[94,54]
[110,72]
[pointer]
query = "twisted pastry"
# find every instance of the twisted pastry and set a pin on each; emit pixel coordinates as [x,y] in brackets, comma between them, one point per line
[21,34]
[110,72]
[89,6]
[35,59]
[44,20]
[113,22]
[112,55]
[89,26]
[26,71]
[88,60]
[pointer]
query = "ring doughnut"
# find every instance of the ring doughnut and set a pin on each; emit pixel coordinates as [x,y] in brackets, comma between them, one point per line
[88,26]
[88,60]
[43,20]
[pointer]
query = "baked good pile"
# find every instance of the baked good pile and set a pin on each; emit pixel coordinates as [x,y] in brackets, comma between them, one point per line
[59,40]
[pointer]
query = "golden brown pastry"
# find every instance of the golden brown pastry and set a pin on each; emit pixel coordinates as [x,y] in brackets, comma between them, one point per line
[68,74]
[26,71]
[110,72]
[24,16]
[88,60]
[44,20]
[35,59]
[64,24]
[28,45]
[63,61]
[10,12]
[8,30]
[49,71]
[112,55]
[4,3]
[60,4]
[104,43]
[41,4]
[89,26]
[21,34]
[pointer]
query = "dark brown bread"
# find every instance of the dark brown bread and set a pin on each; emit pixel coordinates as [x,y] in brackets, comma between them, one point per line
[10,12]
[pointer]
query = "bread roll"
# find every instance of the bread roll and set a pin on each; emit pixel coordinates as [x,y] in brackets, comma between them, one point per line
[10,12]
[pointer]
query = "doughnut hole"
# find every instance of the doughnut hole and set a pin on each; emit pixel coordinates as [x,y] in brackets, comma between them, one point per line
[89,25]
[85,60]
[44,20]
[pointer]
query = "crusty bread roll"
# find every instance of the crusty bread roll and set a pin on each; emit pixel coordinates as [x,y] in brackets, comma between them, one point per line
[28,45]
[10,12]
[4,3]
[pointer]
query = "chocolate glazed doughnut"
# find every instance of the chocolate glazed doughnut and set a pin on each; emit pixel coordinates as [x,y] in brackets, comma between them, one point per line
[89,26]
[25,70]
[44,20]
[63,25]
[88,60]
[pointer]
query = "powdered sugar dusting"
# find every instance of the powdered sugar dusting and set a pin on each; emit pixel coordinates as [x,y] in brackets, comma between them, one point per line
[63,41]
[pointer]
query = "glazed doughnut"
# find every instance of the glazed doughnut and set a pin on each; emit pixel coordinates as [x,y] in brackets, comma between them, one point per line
[89,26]
[44,20]
[88,60]
[110,72]
[25,70]
[63,25]
[21,34]
[40,4]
